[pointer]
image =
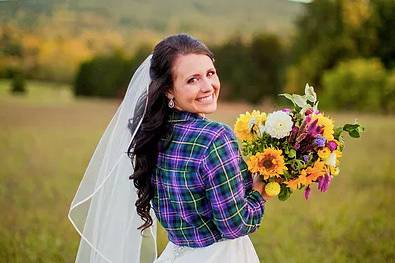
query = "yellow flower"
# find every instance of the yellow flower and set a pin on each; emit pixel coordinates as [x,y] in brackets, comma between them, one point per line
[260,116]
[270,163]
[324,153]
[244,123]
[272,189]
[338,155]
[326,123]
[334,170]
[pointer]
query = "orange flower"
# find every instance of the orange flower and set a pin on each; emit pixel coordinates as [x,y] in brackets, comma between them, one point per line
[307,176]
[295,183]
[316,171]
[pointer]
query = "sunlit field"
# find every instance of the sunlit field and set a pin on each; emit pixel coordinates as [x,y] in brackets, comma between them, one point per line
[48,138]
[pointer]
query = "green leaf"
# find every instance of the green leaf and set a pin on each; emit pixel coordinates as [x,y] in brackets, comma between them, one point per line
[354,130]
[299,100]
[287,175]
[292,153]
[285,193]
[310,94]
[349,127]
[354,134]
[338,131]
[315,107]
[288,96]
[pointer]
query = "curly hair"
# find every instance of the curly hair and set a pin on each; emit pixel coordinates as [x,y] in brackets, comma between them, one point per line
[145,145]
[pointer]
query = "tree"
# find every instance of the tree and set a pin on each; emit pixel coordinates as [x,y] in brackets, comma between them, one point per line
[331,31]
[384,20]
[250,71]
[268,56]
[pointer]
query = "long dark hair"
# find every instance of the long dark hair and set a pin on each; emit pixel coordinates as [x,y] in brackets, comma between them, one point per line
[144,146]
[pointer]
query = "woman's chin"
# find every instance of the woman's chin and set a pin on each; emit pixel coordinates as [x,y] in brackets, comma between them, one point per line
[207,109]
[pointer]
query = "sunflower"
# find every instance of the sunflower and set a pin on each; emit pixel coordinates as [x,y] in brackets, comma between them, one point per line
[270,163]
[326,123]
[246,121]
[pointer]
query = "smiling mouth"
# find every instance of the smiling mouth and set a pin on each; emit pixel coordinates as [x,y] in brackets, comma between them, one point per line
[207,99]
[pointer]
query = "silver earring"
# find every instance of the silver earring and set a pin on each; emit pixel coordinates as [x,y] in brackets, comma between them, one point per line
[171,103]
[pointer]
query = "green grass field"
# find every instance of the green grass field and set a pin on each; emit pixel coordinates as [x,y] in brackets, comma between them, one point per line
[47,139]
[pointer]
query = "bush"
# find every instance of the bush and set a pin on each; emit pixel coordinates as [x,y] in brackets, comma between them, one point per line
[107,75]
[18,84]
[357,84]
[101,76]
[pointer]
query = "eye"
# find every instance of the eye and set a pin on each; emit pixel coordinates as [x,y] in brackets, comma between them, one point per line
[192,80]
[211,73]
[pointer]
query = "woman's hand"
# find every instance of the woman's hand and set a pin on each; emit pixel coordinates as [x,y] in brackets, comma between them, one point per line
[259,185]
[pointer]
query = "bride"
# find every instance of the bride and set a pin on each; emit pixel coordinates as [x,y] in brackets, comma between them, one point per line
[160,151]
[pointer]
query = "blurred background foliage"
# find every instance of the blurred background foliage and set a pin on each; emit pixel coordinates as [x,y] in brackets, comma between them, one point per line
[273,47]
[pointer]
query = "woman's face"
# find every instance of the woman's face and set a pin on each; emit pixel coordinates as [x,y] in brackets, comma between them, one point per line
[195,84]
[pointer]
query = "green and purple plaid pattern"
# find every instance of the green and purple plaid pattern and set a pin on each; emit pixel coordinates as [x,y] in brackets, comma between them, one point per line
[203,189]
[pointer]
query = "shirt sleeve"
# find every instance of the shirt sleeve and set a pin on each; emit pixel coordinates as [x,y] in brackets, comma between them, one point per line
[237,211]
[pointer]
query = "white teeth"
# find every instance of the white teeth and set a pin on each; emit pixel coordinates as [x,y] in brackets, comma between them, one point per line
[206,99]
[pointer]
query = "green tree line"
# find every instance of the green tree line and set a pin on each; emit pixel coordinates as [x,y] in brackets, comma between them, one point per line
[345,49]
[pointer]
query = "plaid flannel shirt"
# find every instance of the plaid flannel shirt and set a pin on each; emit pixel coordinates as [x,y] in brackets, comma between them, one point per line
[203,189]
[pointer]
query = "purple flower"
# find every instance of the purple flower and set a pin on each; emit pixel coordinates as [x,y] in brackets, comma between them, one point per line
[320,141]
[287,110]
[293,134]
[307,192]
[314,129]
[332,145]
[305,158]
[324,182]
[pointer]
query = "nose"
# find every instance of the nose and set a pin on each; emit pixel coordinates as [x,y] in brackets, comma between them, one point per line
[206,85]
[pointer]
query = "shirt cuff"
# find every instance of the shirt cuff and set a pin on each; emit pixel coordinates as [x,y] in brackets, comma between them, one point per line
[257,197]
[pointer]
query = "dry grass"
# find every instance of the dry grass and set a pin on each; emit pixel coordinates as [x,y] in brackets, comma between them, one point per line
[45,148]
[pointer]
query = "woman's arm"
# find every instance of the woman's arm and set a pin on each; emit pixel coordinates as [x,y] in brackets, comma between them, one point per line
[235,213]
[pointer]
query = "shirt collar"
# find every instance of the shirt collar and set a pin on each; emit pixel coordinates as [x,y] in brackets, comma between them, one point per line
[180,115]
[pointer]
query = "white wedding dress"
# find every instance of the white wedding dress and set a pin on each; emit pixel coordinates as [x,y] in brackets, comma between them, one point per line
[236,250]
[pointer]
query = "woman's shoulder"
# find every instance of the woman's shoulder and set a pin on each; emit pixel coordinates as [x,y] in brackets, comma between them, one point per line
[215,129]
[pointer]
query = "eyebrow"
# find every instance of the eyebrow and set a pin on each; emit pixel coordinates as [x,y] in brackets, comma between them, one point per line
[197,74]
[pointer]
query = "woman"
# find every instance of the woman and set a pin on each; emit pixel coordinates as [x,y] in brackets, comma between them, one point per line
[186,167]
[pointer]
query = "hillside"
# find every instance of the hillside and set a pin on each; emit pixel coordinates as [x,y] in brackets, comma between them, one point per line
[211,20]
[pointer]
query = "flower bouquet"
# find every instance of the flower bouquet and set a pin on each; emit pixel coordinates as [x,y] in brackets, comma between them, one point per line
[293,148]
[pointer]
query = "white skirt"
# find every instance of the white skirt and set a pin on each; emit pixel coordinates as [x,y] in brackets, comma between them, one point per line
[236,250]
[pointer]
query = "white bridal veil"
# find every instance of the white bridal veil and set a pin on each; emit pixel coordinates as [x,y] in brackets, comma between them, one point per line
[103,210]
